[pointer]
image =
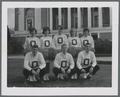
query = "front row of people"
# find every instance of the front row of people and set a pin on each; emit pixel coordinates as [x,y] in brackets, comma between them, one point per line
[64,66]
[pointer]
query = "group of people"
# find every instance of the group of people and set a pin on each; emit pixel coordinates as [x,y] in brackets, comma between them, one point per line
[73,57]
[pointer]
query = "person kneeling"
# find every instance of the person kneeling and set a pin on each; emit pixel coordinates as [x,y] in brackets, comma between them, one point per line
[34,65]
[63,64]
[86,63]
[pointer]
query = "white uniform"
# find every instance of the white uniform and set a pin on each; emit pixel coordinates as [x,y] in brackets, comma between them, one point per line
[86,59]
[74,42]
[47,42]
[31,41]
[86,40]
[64,61]
[59,40]
[34,62]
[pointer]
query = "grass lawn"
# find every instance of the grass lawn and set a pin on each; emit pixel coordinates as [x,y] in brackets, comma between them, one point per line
[15,77]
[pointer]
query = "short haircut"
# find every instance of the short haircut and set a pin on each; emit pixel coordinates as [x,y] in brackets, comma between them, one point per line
[32,29]
[85,29]
[87,45]
[46,29]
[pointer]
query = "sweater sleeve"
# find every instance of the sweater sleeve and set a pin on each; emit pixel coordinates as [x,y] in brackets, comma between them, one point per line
[66,40]
[42,61]
[72,65]
[26,62]
[56,62]
[26,44]
[53,44]
[39,42]
[92,42]
[80,44]
[94,62]
[79,61]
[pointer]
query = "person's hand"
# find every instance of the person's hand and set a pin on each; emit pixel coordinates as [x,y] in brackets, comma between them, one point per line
[69,70]
[63,70]
[91,70]
[34,72]
[38,71]
[83,70]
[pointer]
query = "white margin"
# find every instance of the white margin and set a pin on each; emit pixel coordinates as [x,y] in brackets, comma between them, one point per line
[60,91]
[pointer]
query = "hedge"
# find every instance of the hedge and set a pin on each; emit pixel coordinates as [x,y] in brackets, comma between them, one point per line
[103,47]
[15,46]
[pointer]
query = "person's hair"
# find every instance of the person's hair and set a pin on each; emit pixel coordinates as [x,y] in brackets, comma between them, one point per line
[87,45]
[86,29]
[71,32]
[46,29]
[32,29]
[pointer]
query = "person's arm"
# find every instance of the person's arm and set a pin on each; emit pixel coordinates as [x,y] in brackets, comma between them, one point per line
[79,61]
[92,42]
[94,62]
[69,45]
[66,40]
[42,61]
[39,42]
[56,62]
[72,64]
[26,63]
[80,44]
[52,44]
[25,46]
[81,41]
[54,41]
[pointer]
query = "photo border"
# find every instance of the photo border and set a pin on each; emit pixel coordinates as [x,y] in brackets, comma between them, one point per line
[70,1]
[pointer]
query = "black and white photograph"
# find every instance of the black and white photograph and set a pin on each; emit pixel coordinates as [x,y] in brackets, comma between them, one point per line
[62,48]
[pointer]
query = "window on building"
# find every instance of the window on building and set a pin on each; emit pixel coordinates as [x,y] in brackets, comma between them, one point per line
[45,17]
[94,35]
[74,17]
[55,18]
[16,18]
[84,17]
[106,16]
[94,17]
[29,18]
[64,18]
[11,18]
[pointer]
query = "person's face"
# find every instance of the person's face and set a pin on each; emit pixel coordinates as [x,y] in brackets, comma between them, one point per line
[86,33]
[33,33]
[64,48]
[46,32]
[59,30]
[34,50]
[73,33]
[87,48]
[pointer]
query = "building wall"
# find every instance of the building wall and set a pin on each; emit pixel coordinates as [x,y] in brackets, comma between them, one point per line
[98,20]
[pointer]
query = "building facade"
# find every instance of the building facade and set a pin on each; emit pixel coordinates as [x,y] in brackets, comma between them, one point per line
[98,20]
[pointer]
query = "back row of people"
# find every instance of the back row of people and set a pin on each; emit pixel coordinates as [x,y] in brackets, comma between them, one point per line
[55,42]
